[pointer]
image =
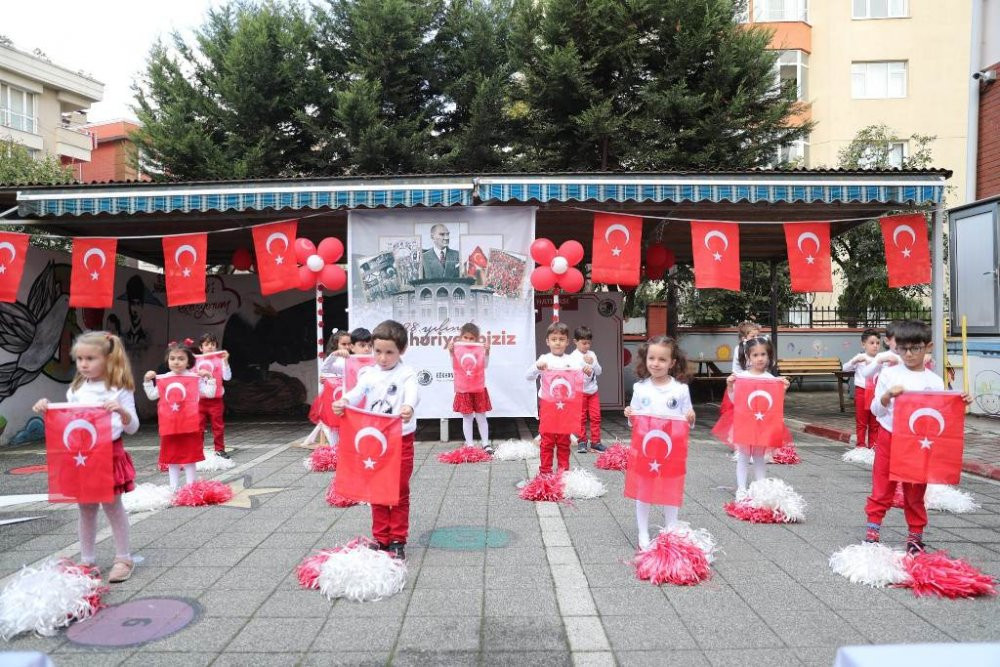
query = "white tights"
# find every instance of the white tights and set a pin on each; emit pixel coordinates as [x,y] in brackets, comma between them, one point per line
[743,462]
[174,472]
[117,517]
[484,429]
[642,519]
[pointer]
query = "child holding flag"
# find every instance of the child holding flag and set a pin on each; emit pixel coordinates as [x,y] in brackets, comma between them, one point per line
[865,424]
[583,338]
[471,404]
[211,408]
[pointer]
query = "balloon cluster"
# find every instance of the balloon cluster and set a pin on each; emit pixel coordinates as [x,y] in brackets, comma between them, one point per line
[659,260]
[318,266]
[556,267]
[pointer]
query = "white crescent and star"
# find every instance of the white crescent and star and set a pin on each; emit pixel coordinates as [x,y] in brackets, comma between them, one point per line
[616,251]
[281,236]
[808,236]
[558,382]
[926,442]
[205,366]
[7,245]
[166,394]
[370,432]
[76,425]
[715,233]
[759,416]
[909,230]
[181,250]
[94,252]
[468,355]
[654,464]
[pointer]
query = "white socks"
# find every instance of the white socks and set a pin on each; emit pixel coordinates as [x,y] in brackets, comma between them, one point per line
[467,429]
[190,472]
[117,517]
[743,464]
[642,520]
[174,473]
[484,429]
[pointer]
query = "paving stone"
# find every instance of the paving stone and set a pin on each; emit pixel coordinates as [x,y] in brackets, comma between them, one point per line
[429,633]
[644,633]
[265,635]
[446,602]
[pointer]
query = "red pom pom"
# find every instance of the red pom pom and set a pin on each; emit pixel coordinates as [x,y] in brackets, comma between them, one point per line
[786,456]
[614,457]
[897,497]
[672,559]
[544,488]
[465,454]
[203,492]
[162,467]
[334,499]
[939,574]
[746,512]
[323,459]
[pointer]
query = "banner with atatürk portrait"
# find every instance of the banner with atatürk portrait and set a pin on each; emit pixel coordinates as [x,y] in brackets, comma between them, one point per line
[434,270]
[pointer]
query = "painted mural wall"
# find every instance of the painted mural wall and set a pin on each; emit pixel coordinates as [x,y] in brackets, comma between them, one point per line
[271,340]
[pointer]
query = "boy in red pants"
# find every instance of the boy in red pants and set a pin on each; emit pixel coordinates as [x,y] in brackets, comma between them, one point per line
[583,338]
[865,424]
[212,410]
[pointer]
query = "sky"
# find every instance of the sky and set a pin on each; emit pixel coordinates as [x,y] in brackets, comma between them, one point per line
[108,39]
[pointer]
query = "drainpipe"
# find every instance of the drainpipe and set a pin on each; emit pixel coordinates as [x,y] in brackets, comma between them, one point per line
[972,131]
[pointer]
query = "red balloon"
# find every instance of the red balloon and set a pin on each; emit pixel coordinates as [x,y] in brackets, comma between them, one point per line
[542,251]
[332,277]
[331,249]
[307,279]
[671,259]
[303,249]
[572,251]
[242,260]
[543,278]
[626,356]
[572,280]
[656,254]
[655,272]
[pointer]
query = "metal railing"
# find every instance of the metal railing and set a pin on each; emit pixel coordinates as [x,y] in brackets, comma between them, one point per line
[19,121]
[831,316]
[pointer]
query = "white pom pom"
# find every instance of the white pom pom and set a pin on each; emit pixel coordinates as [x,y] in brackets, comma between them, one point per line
[147,497]
[361,574]
[44,599]
[775,494]
[516,450]
[872,564]
[699,536]
[944,498]
[862,455]
[214,463]
[580,483]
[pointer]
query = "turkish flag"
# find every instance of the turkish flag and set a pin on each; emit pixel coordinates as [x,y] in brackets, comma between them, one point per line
[322,407]
[352,366]
[274,245]
[78,452]
[92,277]
[184,265]
[716,250]
[617,249]
[808,246]
[370,456]
[177,409]
[12,264]
[468,363]
[477,262]
[928,432]
[561,401]
[211,362]
[907,252]
[758,412]
[657,460]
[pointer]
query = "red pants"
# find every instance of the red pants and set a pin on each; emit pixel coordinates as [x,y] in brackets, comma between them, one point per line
[592,409]
[211,409]
[865,423]
[391,523]
[882,490]
[559,443]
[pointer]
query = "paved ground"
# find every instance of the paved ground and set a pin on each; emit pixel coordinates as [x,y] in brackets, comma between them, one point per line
[558,592]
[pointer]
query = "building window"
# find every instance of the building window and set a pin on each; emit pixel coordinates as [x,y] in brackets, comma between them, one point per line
[878,80]
[895,154]
[795,154]
[426,295]
[780,10]
[794,66]
[17,109]
[879,9]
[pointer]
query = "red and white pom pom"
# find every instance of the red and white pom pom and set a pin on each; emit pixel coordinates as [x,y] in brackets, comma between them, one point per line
[786,455]
[673,558]
[769,501]
[147,497]
[582,484]
[321,459]
[203,492]
[357,572]
[939,574]
[872,564]
[614,457]
[544,488]
[214,463]
[944,498]
[334,499]
[860,455]
[308,570]
[516,450]
[465,454]
[44,599]
[898,499]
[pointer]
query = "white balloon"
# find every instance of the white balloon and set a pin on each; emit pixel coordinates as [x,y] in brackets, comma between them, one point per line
[559,265]
[315,263]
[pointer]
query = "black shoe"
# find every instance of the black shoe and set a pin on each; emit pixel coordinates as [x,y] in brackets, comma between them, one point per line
[598,447]
[397,550]
[915,547]
[582,447]
[222,453]
[375,546]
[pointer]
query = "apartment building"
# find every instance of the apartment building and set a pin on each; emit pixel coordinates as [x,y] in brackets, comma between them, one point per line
[113,157]
[43,105]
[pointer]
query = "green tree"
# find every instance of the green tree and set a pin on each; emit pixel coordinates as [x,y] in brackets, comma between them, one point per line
[18,166]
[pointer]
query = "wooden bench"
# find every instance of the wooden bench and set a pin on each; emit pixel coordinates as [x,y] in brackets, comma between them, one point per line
[704,372]
[798,368]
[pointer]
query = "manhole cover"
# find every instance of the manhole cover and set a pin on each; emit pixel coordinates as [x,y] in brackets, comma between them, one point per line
[134,622]
[466,538]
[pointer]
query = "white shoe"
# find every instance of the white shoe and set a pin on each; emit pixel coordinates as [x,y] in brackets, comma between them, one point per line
[523,483]
[742,494]
[643,541]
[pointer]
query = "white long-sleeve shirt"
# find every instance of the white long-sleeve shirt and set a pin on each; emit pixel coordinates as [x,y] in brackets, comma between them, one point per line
[96,392]
[333,365]
[737,367]
[206,386]
[386,392]
[923,380]
[672,399]
[562,362]
[860,379]
[589,381]
[881,362]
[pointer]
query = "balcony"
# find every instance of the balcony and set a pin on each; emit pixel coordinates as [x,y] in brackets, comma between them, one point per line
[73,143]
[18,121]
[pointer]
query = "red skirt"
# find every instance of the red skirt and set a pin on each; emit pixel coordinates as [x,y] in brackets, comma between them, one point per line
[122,469]
[182,448]
[466,403]
[723,430]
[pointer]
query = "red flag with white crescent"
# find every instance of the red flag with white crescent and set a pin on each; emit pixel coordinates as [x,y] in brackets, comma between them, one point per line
[369,457]
[561,401]
[716,250]
[322,407]
[13,252]
[184,259]
[352,366]
[274,246]
[657,460]
[808,245]
[907,251]
[468,363]
[78,452]
[177,409]
[211,362]
[758,412]
[617,249]
[92,276]
[928,434]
